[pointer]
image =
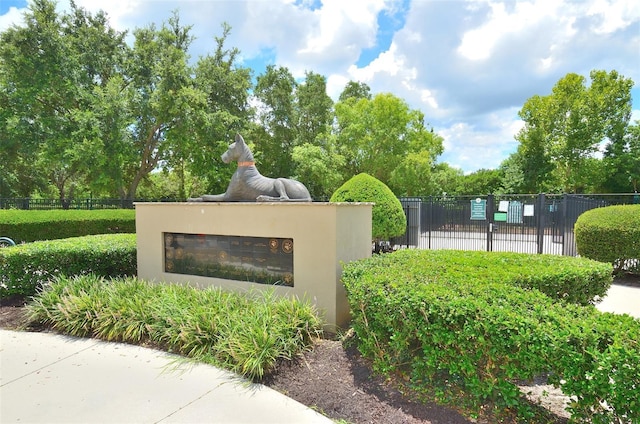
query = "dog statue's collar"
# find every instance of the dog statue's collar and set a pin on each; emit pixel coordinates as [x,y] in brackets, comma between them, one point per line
[246,163]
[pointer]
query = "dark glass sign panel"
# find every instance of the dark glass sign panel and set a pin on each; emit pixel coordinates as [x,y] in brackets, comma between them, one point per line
[264,260]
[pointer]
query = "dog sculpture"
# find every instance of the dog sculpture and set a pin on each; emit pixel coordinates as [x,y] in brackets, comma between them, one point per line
[248,185]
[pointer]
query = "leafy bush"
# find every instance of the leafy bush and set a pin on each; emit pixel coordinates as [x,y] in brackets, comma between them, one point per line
[27,267]
[246,334]
[573,280]
[472,328]
[611,234]
[388,219]
[27,226]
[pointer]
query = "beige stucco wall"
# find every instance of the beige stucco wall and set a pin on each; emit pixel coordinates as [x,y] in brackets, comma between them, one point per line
[324,234]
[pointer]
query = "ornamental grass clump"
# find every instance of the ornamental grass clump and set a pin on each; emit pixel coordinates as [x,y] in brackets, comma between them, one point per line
[246,334]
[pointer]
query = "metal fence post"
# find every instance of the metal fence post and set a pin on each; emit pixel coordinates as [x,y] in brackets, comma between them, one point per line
[563,223]
[430,220]
[490,225]
[540,222]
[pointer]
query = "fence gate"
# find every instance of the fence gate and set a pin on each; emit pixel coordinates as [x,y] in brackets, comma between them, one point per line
[528,223]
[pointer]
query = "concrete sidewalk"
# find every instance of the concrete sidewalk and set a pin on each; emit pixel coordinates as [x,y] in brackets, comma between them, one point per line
[48,378]
[621,299]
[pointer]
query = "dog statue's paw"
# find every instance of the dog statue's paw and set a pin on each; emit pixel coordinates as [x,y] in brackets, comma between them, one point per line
[194,199]
[263,198]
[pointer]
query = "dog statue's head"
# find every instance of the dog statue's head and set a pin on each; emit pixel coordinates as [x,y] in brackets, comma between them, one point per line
[234,151]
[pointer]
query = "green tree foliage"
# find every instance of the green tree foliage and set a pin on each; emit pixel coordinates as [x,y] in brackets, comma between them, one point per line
[386,139]
[225,86]
[319,168]
[446,180]
[387,215]
[84,110]
[564,130]
[355,90]
[313,109]
[50,68]
[482,181]
[275,91]
[622,162]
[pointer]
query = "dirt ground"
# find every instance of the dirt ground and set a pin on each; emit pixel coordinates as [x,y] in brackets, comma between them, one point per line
[335,380]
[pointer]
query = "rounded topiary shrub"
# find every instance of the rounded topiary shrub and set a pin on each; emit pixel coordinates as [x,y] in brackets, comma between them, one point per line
[611,234]
[387,215]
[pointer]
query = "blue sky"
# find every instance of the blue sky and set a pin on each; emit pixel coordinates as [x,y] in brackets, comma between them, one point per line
[469,66]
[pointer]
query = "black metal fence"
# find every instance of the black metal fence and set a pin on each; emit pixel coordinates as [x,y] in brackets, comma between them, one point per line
[525,223]
[50,204]
[515,223]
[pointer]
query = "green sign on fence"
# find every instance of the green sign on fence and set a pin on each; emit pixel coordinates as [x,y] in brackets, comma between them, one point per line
[479,209]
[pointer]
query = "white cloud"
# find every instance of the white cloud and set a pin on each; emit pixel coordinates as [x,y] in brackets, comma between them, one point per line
[614,15]
[479,43]
[12,17]
[117,10]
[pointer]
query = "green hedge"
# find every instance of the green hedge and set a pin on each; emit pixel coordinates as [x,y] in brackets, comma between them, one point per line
[27,226]
[468,336]
[573,280]
[611,234]
[27,267]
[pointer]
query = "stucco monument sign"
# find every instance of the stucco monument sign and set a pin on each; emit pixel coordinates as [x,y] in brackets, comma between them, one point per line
[248,185]
[261,233]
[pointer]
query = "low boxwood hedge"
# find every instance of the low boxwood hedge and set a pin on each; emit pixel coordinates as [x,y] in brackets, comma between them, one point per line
[468,333]
[611,234]
[573,280]
[27,226]
[27,267]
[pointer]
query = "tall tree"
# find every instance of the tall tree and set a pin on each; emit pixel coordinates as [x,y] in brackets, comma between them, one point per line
[313,109]
[564,130]
[319,167]
[622,162]
[384,138]
[446,180]
[161,99]
[48,93]
[275,90]
[225,86]
[355,90]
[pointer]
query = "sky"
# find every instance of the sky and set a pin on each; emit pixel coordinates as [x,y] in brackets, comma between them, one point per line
[469,66]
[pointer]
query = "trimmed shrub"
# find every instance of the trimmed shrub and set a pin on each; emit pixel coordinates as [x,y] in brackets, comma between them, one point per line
[469,334]
[611,234]
[26,268]
[27,226]
[388,219]
[571,280]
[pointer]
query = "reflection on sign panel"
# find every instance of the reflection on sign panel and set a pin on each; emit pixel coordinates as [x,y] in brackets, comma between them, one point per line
[264,260]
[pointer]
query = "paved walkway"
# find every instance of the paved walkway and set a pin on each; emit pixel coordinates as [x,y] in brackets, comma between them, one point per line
[622,300]
[47,378]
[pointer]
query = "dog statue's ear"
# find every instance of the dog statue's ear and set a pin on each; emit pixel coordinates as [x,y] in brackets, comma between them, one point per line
[239,138]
